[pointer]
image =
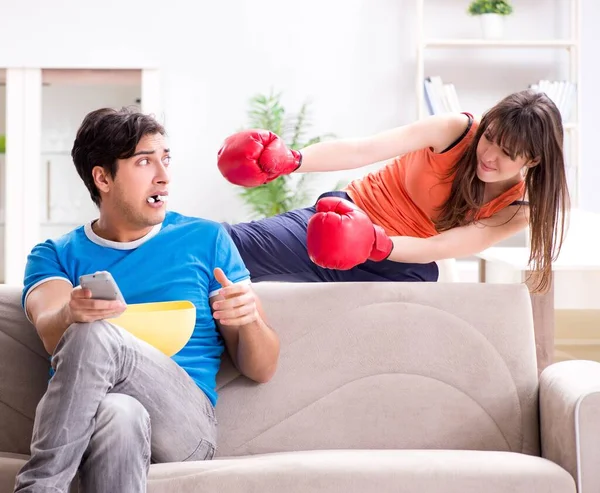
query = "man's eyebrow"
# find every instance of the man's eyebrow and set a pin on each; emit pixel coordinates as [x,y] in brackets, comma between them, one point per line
[140,153]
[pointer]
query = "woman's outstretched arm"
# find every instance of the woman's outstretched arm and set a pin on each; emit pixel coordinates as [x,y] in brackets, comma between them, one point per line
[461,241]
[253,157]
[437,132]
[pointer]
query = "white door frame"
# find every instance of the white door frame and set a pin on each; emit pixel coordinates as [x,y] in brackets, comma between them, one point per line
[22,174]
[22,187]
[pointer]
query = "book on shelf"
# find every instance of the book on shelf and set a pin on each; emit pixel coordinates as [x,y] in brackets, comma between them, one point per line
[442,97]
[561,92]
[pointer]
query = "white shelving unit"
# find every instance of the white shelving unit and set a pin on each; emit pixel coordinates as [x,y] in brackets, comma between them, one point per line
[571,43]
[497,43]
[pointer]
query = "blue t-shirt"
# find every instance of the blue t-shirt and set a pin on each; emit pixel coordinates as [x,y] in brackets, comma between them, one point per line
[174,261]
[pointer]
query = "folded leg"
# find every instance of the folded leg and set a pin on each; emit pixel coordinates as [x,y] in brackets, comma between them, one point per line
[275,249]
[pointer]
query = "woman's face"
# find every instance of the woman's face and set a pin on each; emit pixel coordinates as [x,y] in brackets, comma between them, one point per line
[494,163]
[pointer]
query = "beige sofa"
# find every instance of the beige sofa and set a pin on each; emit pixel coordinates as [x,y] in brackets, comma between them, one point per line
[381,388]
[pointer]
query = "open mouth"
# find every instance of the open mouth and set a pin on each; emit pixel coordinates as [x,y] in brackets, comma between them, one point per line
[157,199]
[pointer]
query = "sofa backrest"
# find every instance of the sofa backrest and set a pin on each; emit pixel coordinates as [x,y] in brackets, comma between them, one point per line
[389,366]
[24,372]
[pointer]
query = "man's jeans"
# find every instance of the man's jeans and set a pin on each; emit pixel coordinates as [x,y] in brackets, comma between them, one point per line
[114,404]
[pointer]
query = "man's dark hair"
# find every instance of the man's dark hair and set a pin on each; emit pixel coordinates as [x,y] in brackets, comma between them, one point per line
[106,135]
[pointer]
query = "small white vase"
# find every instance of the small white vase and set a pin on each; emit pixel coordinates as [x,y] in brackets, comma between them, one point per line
[492,26]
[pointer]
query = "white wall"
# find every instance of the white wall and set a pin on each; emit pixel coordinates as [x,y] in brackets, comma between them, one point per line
[354,59]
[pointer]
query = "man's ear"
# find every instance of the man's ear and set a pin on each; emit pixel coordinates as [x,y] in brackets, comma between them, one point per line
[101,179]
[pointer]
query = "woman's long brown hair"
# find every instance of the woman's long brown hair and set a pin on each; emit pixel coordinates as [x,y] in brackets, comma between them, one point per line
[529,125]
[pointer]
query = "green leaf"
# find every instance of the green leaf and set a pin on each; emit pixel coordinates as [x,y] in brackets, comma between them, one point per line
[479,7]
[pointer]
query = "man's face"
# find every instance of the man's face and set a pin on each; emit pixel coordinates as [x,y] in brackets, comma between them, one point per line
[138,192]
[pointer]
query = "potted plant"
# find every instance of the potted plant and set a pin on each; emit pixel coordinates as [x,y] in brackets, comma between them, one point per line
[492,14]
[286,192]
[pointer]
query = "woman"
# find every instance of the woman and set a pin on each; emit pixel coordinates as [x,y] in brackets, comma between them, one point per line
[452,188]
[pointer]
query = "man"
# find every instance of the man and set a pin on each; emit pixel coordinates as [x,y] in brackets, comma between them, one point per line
[114,403]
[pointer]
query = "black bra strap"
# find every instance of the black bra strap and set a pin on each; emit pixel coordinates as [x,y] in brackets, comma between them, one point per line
[462,136]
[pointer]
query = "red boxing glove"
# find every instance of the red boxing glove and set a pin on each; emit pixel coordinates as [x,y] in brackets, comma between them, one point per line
[341,236]
[255,157]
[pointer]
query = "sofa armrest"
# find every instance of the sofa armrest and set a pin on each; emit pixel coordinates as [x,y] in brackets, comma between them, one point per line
[570,419]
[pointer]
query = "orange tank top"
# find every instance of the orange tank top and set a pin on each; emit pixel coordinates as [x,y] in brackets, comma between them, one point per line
[405,195]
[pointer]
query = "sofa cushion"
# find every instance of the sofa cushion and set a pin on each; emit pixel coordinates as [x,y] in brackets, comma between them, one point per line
[358,471]
[389,366]
[10,464]
[9,467]
[350,471]
[24,366]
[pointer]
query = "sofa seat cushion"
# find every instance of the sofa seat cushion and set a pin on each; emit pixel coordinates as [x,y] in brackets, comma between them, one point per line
[350,471]
[9,467]
[358,471]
